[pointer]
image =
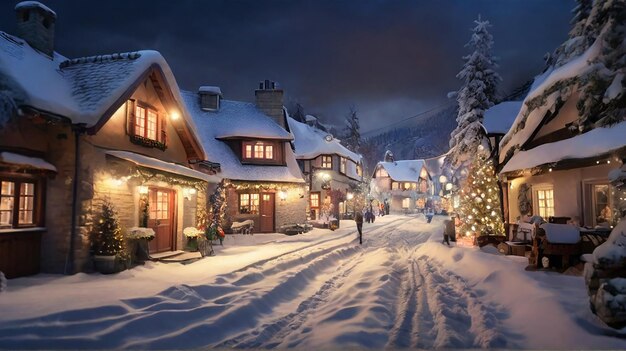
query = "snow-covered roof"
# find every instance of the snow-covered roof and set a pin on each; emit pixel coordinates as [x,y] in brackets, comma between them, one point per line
[561,233]
[157,164]
[31,162]
[310,118]
[404,170]
[81,89]
[499,118]
[434,165]
[593,143]
[210,89]
[24,5]
[311,142]
[526,122]
[236,119]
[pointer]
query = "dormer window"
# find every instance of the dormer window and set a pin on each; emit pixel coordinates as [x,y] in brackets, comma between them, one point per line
[327,162]
[258,150]
[146,126]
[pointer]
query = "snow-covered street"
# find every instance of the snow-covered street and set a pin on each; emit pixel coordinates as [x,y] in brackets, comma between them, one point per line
[402,288]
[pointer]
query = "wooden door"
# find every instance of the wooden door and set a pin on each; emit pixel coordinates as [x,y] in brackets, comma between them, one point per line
[266,211]
[161,206]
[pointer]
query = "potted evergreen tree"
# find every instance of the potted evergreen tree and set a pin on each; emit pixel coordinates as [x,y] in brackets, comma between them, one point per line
[108,240]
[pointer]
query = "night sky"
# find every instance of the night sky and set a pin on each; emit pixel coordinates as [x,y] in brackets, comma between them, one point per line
[391,59]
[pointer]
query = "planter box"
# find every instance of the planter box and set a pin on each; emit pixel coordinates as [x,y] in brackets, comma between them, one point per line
[108,264]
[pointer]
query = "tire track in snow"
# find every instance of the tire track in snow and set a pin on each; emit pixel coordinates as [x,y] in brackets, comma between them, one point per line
[461,320]
[273,333]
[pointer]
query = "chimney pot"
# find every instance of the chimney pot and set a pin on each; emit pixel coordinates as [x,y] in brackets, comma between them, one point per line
[35,24]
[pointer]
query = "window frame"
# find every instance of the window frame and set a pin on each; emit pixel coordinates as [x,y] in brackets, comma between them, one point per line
[256,150]
[343,165]
[326,162]
[319,198]
[37,208]
[536,201]
[156,137]
[249,201]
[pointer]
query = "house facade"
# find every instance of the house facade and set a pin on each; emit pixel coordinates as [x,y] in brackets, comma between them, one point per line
[333,172]
[251,143]
[405,185]
[80,131]
[551,164]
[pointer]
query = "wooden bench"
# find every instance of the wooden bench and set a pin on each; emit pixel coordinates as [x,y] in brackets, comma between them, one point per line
[245,227]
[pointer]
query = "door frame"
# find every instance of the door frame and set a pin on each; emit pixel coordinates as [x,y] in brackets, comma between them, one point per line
[173,203]
[261,201]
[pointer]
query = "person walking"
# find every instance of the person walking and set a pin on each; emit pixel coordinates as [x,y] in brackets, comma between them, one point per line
[359,225]
[429,215]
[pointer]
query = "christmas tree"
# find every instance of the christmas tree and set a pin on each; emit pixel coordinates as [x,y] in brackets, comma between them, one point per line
[108,237]
[218,203]
[479,209]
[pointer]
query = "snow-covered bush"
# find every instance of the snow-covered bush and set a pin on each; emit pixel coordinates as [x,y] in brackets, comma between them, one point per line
[605,276]
[140,233]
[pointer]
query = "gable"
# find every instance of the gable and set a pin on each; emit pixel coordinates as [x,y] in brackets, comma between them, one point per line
[117,130]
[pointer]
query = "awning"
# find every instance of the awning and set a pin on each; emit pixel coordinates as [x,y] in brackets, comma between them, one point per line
[153,163]
[26,161]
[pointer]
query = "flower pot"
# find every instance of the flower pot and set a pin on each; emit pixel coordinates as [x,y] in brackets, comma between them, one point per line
[192,244]
[108,264]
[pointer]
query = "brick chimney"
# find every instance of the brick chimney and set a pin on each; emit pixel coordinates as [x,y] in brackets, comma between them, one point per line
[269,99]
[35,24]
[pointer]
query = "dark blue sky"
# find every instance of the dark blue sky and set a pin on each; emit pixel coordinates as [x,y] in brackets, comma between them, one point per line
[389,58]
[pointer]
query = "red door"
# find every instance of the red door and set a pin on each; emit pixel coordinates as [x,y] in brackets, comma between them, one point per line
[161,206]
[267,213]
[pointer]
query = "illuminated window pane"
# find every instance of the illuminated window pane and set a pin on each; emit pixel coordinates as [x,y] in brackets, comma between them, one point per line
[27,200]
[152,125]
[248,151]
[315,200]
[269,152]
[258,151]
[140,121]
[6,203]
[327,162]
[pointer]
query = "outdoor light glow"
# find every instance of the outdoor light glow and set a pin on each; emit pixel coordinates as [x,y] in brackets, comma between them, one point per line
[175,115]
[443,179]
[142,189]
[449,186]
[282,195]
[349,196]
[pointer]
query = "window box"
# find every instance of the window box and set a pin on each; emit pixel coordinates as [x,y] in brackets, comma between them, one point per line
[139,140]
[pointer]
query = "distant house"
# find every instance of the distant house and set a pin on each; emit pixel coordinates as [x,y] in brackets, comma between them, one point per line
[78,131]
[251,143]
[553,166]
[441,183]
[327,166]
[405,185]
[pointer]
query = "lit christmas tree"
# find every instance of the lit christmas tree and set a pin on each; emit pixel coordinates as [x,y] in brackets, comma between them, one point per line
[108,236]
[479,209]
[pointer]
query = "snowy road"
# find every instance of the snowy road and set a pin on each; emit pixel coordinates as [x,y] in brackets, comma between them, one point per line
[316,290]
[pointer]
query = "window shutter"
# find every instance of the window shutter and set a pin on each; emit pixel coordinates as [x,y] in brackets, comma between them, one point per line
[164,130]
[130,117]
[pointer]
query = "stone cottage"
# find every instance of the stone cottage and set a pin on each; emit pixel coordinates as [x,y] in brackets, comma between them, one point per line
[77,131]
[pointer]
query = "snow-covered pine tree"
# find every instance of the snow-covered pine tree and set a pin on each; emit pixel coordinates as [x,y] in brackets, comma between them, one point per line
[298,113]
[602,98]
[352,135]
[580,37]
[478,93]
